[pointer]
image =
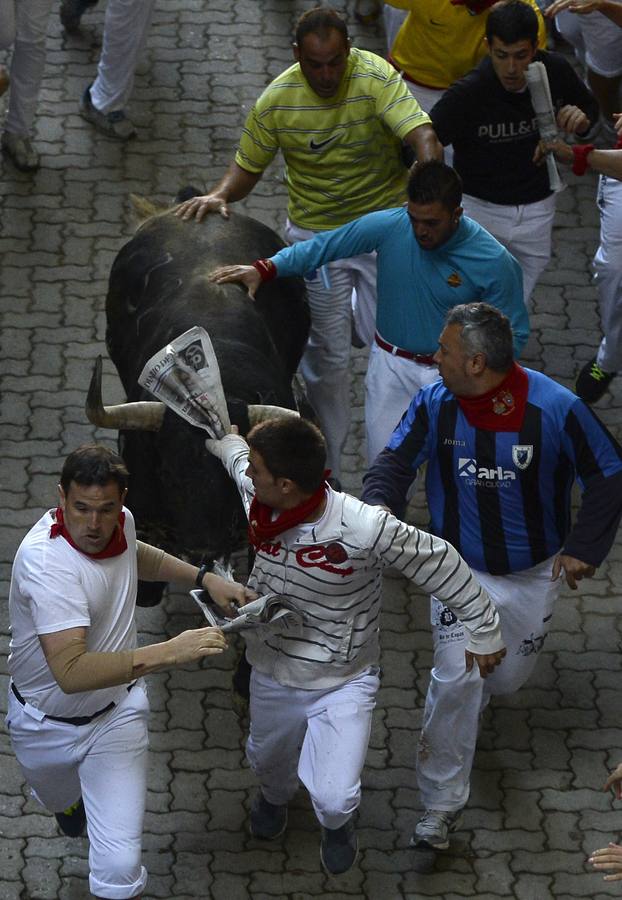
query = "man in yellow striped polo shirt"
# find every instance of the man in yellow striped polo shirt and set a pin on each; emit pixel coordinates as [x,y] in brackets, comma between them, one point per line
[339,116]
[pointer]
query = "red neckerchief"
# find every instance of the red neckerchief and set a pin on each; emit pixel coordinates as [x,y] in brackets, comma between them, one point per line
[501,409]
[261,526]
[115,547]
[475,6]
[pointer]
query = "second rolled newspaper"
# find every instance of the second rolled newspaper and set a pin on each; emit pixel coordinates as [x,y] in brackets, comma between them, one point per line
[540,92]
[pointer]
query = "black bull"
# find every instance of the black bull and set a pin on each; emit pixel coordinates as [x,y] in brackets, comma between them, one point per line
[181,497]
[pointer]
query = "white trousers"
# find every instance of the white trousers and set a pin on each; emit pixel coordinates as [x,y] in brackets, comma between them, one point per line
[596,40]
[393,21]
[125,34]
[23,24]
[390,384]
[456,697]
[608,273]
[325,365]
[525,230]
[319,737]
[105,762]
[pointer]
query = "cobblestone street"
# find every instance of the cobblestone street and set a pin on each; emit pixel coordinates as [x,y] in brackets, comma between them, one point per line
[537,807]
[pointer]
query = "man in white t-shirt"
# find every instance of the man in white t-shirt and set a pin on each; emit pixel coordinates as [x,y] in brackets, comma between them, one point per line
[77,710]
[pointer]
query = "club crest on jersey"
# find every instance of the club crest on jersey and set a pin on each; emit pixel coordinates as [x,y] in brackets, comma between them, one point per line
[522,454]
[454,280]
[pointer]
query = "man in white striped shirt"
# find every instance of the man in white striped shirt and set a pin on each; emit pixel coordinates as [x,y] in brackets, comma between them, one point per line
[313,691]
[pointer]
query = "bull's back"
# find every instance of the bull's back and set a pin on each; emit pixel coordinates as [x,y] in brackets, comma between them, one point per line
[159,288]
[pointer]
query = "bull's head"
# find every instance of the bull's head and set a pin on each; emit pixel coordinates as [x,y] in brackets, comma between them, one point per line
[148,415]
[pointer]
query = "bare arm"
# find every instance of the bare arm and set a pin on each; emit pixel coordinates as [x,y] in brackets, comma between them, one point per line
[608,8]
[155,565]
[425,143]
[77,669]
[236,184]
[605,162]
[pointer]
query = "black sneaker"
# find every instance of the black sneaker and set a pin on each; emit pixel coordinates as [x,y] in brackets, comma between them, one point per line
[592,382]
[268,821]
[339,848]
[72,820]
[71,11]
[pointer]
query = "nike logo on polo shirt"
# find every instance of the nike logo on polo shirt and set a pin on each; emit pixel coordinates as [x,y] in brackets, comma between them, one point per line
[438,24]
[318,146]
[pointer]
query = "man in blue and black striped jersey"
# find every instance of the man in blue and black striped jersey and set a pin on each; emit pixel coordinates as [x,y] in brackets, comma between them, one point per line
[504,446]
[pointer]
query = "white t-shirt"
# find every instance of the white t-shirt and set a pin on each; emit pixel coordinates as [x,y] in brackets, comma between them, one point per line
[55,587]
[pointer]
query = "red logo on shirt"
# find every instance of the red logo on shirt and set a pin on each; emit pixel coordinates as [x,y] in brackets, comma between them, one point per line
[270,549]
[323,558]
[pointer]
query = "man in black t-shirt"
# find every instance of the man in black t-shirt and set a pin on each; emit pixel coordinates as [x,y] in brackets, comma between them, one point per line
[489,118]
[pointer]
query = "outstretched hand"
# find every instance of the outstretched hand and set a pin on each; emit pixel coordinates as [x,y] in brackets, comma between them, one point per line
[486,662]
[575,6]
[608,859]
[560,150]
[195,644]
[246,275]
[198,207]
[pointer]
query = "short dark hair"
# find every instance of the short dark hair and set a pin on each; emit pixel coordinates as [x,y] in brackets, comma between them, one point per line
[94,464]
[512,21]
[320,20]
[484,330]
[432,182]
[291,448]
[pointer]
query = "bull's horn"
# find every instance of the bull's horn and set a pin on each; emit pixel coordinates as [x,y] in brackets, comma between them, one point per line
[141,416]
[259,413]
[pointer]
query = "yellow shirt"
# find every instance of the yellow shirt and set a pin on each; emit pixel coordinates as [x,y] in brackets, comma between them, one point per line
[439,43]
[343,152]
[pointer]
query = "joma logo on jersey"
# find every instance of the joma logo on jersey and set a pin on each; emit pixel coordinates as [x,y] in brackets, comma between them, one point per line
[468,468]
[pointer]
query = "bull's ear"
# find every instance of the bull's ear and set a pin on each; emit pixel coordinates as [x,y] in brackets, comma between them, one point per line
[146,415]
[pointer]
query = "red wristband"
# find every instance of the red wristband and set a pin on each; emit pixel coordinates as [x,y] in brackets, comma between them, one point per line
[581,153]
[266,269]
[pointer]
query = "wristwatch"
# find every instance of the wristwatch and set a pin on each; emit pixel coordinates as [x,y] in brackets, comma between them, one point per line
[203,570]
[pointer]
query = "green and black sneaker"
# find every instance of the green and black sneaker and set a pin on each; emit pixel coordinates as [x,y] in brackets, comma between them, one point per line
[72,820]
[592,382]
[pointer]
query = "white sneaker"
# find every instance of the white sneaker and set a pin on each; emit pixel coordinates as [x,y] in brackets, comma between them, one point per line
[21,152]
[433,828]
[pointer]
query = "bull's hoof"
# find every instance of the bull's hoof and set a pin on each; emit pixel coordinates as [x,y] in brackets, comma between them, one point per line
[149,593]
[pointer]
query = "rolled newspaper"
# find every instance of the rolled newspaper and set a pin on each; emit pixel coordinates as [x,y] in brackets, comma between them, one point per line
[540,92]
[185,375]
[266,614]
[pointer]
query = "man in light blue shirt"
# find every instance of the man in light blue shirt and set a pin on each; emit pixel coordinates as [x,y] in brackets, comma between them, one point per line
[430,258]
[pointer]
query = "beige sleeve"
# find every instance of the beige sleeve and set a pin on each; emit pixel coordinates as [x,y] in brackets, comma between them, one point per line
[76,669]
[149,561]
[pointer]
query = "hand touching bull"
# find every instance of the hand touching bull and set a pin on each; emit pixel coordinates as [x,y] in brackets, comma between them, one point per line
[246,275]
